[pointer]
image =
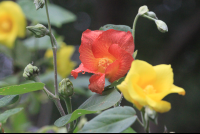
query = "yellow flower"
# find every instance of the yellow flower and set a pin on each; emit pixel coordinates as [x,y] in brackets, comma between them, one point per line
[12,23]
[147,85]
[64,63]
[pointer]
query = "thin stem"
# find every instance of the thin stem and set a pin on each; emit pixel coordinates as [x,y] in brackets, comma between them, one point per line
[54,48]
[59,107]
[54,98]
[69,110]
[49,94]
[150,18]
[147,129]
[134,26]
[140,122]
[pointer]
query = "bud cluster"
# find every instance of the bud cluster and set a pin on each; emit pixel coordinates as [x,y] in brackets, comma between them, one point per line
[144,11]
[30,71]
[39,4]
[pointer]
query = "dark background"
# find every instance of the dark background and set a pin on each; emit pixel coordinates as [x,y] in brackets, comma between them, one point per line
[179,47]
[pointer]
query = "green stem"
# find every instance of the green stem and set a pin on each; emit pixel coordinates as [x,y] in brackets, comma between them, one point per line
[140,122]
[59,107]
[49,94]
[145,122]
[54,48]
[134,26]
[69,110]
[150,18]
[54,98]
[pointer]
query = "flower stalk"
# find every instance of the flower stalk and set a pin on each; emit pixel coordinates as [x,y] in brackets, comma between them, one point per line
[54,48]
[69,110]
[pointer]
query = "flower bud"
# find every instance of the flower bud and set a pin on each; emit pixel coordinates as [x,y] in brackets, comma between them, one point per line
[143,9]
[150,112]
[66,88]
[30,71]
[162,27]
[39,4]
[152,15]
[38,30]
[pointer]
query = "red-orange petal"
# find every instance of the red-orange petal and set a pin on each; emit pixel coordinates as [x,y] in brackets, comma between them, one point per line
[121,66]
[85,50]
[101,45]
[80,69]
[97,83]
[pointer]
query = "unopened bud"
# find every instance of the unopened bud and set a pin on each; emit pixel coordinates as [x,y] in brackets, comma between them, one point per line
[39,4]
[30,71]
[150,112]
[152,15]
[38,30]
[66,88]
[143,9]
[162,27]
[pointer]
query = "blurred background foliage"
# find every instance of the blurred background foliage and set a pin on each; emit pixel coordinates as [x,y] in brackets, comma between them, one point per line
[180,47]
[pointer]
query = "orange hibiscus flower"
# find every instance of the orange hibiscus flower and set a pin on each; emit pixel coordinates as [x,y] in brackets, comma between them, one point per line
[107,54]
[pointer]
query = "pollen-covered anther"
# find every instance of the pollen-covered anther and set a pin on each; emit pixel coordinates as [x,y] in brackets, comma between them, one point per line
[149,89]
[103,64]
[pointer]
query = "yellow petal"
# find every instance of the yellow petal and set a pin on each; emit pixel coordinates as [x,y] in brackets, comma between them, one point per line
[145,72]
[176,89]
[159,106]
[161,95]
[17,14]
[124,89]
[64,59]
[164,78]
[137,94]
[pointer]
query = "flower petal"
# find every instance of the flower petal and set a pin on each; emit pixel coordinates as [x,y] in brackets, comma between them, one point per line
[18,17]
[65,65]
[137,93]
[176,89]
[121,66]
[164,78]
[159,106]
[97,82]
[86,54]
[161,95]
[80,69]
[123,88]
[107,38]
[145,71]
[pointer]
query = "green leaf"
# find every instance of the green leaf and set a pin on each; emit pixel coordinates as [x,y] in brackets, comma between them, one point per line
[7,100]
[71,117]
[129,130]
[58,15]
[116,27]
[4,116]
[114,120]
[33,43]
[21,89]
[94,104]
[99,102]
[22,55]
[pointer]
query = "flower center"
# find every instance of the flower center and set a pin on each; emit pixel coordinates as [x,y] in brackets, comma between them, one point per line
[103,64]
[5,25]
[149,89]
